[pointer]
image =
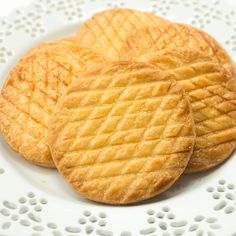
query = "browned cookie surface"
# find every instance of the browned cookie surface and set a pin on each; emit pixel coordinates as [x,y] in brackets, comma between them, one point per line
[123,133]
[212,94]
[171,36]
[30,94]
[107,31]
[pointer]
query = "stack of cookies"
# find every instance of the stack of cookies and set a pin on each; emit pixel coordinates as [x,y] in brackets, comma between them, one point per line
[123,108]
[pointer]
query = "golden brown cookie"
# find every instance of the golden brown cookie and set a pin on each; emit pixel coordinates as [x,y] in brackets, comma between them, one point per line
[30,94]
[69,55]
[212,93]
[122,134]
[107,31]
[172,36]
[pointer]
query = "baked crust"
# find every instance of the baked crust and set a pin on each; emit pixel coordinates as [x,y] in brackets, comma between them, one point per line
[212,93]
[107,31]
[31,91]
[123,133]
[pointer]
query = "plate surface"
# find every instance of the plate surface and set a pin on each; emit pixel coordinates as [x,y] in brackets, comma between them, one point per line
[37,201]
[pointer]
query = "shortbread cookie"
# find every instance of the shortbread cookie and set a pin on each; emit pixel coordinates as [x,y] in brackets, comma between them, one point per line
[212,95]
[107,31]
[31,92]
[74,59]
[122,134]
[49,44]
[172,36]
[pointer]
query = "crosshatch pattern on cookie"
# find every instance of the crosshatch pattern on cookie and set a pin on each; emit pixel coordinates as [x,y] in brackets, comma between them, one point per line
[129,133]
[213,101]
[171,36]
[31,92]
[111,28]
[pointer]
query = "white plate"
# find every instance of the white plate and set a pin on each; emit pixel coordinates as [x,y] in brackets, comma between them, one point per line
[37,201]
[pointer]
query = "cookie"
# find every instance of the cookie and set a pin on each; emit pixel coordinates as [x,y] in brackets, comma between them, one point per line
[107,31]
[74,58]
[30,94]
[212,93]
[122,134]
[171,36]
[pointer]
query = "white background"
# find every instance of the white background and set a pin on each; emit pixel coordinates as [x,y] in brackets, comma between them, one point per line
[6,6]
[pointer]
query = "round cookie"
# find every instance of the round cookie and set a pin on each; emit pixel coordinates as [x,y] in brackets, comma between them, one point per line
[212,93]
[172,36]
[107,31]
[122,134]
[69,55]
[31,91]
